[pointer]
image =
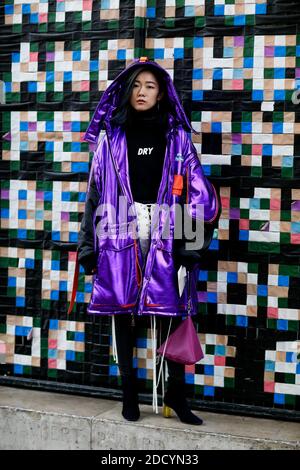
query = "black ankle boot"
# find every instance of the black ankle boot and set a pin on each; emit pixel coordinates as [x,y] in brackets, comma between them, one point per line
[175,399]
[130,410]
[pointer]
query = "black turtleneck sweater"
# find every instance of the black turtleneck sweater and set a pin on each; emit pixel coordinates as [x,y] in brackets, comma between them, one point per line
[146,143]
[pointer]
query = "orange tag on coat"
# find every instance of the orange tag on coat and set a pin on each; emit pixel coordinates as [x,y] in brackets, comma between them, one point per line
[177,185]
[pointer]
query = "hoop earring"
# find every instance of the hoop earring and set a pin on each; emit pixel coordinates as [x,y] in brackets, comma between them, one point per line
[158,106]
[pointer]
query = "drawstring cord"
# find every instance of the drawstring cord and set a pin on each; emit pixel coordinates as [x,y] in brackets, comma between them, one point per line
[155,362]
[153,341]
[114,342]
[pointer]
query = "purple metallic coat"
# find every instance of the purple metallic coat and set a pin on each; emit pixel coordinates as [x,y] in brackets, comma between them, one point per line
[120,285]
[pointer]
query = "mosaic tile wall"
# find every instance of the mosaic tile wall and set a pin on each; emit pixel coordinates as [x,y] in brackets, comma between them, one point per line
[236,66]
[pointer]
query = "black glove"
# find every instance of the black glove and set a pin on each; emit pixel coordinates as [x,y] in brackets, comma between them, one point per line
[186,258]
[89,263]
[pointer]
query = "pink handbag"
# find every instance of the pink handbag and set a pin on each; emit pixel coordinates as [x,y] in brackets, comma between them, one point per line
[183,344]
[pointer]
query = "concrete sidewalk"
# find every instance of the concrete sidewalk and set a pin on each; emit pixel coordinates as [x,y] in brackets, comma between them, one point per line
[42,420]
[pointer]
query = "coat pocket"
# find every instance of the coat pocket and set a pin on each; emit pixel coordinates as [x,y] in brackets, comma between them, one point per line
[163,285]
[116,280]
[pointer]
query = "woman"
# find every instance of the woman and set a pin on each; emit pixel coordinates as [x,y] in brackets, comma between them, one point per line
[143,158]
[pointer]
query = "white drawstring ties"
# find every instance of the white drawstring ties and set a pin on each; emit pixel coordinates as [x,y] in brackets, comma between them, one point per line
[114,342]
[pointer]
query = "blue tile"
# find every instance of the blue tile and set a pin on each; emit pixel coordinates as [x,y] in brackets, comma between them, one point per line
[5,213]
[22,194]
[23,126]
[220,350]
[283,280]
[279,95]
[29,263]
[80,167]
[209,391]
[22,214]
[282,325]
[277,127]
[20,302]
[121,54]
[261,9]
[197,74]
[80,297]
[53,324]
[18,369]
[267,149]
[70,355]
[242,320]
[178,53]
[203,275]
[279,72]
[159,53]
[232,277]
[16,57]
[11,282]
[248,62]
[219,10]
[56,235]
[279,51]
[197,95]
[76,56]
[257,95]
[189,10]
[94,65]
[198,42]
[150,12]
[262,290]
[67,76]
[79,336]
[141,343]
[63,286]
[244,235]
[279,398]
[32,87]
[55,265]
[216,127]
[269,366]
[34,18]
[54,295]
[65,196]
[239,20]
[209,370]
[9,9]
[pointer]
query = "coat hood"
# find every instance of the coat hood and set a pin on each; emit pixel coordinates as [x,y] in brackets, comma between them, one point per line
[111,97]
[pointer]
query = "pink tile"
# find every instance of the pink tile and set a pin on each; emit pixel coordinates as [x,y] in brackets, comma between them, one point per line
[272,312]
[225,202]
[85,85]
[257,149]
[52,363]
[87,5]
[33,56]
[72,255]
[238,84]
[275,204]
[295,238]
[269,387]
[244,224]
[52,344]
[220,360]
[43,17]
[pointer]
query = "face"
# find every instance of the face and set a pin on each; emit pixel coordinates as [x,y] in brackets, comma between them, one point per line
[145,93]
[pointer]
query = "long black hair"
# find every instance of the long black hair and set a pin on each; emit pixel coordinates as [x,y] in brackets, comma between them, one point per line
[123,115]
